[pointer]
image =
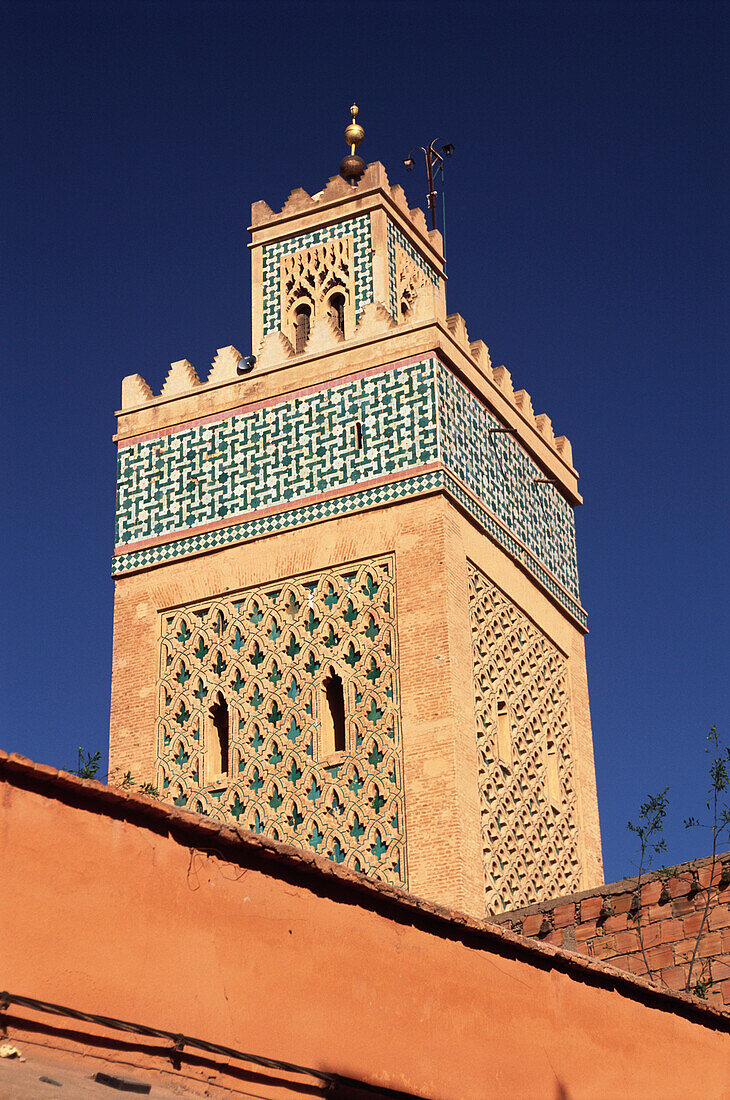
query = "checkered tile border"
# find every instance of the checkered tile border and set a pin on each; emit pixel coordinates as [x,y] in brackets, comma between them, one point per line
[280,521]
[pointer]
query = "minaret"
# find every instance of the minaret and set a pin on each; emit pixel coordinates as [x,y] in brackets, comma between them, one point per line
[347,613]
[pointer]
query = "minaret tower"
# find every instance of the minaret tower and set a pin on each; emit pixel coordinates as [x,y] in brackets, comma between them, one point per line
[347,613]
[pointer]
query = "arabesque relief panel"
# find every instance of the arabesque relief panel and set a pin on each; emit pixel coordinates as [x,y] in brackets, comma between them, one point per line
[525,749]
[255,689]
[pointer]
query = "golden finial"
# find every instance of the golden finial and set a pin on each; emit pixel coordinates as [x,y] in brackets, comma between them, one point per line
[354,132]
[353,166]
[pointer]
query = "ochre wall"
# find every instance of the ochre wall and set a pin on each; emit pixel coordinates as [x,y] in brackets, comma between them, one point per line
[612,924]
[120,906]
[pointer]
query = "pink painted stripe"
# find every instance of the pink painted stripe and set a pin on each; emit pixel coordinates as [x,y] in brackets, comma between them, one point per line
[269,402]
[299,502]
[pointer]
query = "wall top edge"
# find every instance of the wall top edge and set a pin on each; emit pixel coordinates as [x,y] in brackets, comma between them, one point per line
[395,903]
[610,889]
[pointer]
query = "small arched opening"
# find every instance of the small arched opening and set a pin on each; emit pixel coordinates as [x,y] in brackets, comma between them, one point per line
[302,324]
[218,739]
[504,733]
[332,720]
[337,311]
[553,775]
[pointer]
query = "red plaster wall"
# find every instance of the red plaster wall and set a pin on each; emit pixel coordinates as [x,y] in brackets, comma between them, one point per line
[609,924]
[116,905]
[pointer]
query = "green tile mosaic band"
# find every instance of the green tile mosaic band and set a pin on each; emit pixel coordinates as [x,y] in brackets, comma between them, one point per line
[277,454]
[305,446]
[497,470]
[363,252]
[278,521]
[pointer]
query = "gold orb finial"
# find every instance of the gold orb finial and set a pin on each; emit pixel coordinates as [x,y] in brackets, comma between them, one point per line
[352,167]
[354,132]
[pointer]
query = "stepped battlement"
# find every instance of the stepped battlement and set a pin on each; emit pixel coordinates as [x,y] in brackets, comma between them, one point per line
[276,352]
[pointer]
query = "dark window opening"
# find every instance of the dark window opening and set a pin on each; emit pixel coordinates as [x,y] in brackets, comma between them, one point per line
[333,715]
[219,737]
[302,319]
[337,311]
[504,733]
[358,434]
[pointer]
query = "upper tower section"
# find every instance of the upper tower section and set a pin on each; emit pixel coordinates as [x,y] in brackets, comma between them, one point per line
[322,262]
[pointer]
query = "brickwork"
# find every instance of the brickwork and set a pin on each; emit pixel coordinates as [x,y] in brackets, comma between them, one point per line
[652,934]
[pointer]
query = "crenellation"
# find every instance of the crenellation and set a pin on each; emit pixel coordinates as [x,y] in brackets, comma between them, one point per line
[261,213]
[275,348]
[135,391]
[375,320]
[419,220]
[564,448]
[224,367]
[336,188]
[181,378]
[456,325]
[503,379]
[298,200]
[523,401]
[324,337]
[544,425]
[480,354]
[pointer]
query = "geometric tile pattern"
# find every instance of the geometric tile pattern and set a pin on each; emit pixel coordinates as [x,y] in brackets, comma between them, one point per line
[277,454]
[363,263]
[497,470]
[395,237]
[277,521]
[515,549]
[267,651]
[529,829]
[223,475]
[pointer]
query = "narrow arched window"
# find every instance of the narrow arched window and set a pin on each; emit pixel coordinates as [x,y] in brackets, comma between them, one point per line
[218,739]
[504,733]
[332,720]
[553,775]
[337,311]
[302,319]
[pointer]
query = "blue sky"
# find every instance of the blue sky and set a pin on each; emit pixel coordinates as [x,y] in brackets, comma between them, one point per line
[587,245]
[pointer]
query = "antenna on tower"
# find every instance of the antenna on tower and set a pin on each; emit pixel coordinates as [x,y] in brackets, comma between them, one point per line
[434,165]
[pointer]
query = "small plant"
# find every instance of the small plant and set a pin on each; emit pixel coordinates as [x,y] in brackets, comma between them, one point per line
[702,985]
[650,829]
[719,826]
[650,832]
[129,783]
[88,765]
[149,789]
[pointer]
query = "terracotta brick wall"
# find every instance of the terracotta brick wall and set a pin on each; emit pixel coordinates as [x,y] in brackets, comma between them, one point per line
[660,929]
